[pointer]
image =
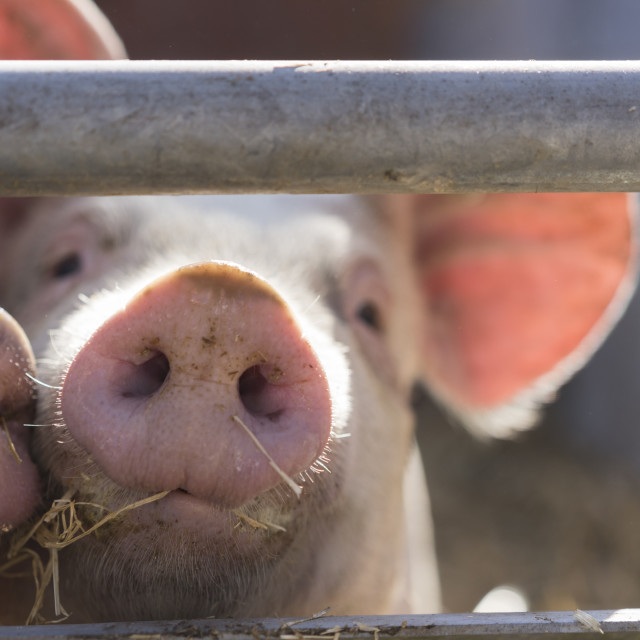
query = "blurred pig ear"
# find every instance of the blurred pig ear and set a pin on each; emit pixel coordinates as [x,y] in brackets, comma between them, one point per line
[518,291]
[56,30]
[47,29]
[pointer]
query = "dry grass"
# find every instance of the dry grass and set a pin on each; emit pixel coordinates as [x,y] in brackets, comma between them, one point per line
[327,634]
[62,526]
[587,621]
[257,524]
[58,528]
[296,488]
[12,447]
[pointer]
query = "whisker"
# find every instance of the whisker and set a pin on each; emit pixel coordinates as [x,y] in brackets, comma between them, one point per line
[320,463]
[71,341]
[41,383]
[50,424]
[313,303]
[54,345]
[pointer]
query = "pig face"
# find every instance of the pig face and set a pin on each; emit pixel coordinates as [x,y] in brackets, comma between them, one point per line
[160,322]
[195,552]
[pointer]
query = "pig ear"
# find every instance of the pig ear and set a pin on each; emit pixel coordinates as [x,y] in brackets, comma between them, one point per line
[518,290]
[48,29]
[56,29]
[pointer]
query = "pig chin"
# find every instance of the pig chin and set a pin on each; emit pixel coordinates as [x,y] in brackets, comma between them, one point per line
[133,575]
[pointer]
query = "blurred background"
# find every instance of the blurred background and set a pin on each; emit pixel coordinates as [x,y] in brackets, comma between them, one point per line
[556,512]
[377,29]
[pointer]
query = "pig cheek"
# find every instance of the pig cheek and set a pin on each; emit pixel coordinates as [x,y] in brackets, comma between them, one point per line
[63,462]
[387,423]
[381,424]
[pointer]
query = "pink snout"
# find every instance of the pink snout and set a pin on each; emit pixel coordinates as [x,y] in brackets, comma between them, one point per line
[19,482]
[156,393]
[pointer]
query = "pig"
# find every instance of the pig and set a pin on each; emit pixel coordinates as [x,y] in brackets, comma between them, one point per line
[19,478]
[565,552]
[17,403]
[57,30]
[158,322]
[253,357]
[210,566]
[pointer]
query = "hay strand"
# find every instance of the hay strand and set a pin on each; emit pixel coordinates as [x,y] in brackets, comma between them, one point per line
[257,524]
[12,447]
[296,488]
[58,528]
[587,621]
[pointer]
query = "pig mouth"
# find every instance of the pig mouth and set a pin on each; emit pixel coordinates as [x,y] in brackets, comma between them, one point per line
[270,513]
[273,513]
[259,517]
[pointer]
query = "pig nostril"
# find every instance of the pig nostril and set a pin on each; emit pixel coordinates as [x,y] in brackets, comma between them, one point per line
[145,379]
[256,394]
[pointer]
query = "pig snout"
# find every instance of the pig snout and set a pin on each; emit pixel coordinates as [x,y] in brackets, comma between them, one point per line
[157,394]
[19,483]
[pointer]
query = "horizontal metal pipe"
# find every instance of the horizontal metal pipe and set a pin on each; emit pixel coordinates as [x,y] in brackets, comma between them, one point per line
[225,127]
[619,624]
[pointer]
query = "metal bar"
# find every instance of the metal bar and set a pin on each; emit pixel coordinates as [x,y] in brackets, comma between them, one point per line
[616,624]
[224,127]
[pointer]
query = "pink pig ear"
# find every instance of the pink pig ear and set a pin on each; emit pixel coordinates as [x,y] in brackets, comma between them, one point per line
[48,29]
[56,30]
[518,291]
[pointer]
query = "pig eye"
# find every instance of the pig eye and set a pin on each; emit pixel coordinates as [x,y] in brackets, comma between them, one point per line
[368,302]
[369,314]
[367,299]
[67,266]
